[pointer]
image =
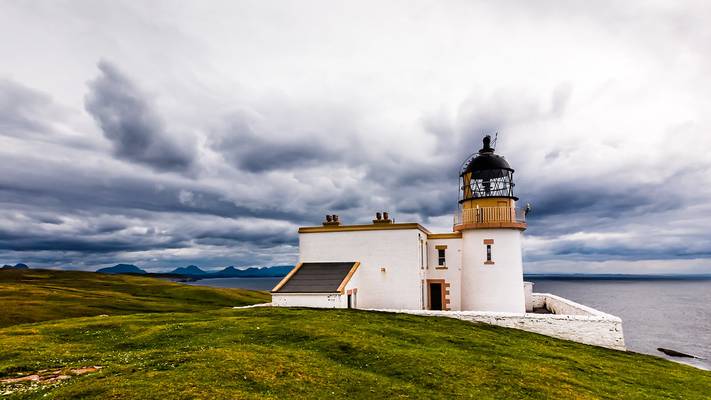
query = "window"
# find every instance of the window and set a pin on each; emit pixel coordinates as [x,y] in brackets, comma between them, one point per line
[441,257]
[423,255]
[489,243]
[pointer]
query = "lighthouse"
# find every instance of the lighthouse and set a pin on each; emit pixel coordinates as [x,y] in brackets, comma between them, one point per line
[404,266]
[491,229]
[473,272]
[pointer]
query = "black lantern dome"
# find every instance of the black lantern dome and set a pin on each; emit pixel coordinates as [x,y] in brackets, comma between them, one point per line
[486,174]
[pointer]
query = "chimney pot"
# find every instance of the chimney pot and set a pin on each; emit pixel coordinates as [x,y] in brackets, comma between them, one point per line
[331,220]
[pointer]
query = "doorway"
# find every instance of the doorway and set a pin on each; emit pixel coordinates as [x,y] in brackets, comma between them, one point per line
[435,295]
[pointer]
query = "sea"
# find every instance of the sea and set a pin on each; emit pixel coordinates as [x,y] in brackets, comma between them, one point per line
[671,313]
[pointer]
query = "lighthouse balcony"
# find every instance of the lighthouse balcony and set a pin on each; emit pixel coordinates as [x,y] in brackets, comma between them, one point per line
[490,217]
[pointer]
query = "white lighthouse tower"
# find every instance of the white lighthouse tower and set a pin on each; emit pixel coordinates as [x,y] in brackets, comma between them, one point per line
[491,228]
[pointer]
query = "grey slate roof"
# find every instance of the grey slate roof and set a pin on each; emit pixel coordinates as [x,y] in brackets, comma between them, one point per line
[321,277]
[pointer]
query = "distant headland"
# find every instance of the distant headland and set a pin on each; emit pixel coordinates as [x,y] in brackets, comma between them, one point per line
[193,272]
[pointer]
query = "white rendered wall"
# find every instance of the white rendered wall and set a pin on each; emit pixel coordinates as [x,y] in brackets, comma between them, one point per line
[528,295]
[581,323]
[452,271]
[395,250]
[315,300]
[353,285]
[494,287]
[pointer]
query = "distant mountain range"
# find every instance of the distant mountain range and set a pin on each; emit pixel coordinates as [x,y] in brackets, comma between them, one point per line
[16,266]
[275,271]
[190,270]
[232,272]
[121,269]
[193,271]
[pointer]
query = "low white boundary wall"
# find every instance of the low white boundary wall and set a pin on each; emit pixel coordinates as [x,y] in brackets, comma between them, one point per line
[313,300]
[570,321]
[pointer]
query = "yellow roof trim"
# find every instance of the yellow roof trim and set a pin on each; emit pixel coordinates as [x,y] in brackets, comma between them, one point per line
[342,287]
[287,277]
[368,227]
[452,235]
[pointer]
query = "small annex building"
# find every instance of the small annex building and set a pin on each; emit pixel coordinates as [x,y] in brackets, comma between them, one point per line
[319,284]
[387,265]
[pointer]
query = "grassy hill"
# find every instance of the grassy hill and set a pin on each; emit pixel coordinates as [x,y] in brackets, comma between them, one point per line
[300,353]
[41,295]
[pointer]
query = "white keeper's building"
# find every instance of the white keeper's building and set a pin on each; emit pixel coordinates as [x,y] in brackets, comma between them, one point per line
[388,265]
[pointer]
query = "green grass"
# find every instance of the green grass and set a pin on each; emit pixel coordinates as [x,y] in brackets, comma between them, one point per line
[301,353]
[41,295]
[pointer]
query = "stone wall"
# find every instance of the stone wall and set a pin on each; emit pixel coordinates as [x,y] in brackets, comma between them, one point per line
[528,295]
[313,300]
[560,306]
[581,323]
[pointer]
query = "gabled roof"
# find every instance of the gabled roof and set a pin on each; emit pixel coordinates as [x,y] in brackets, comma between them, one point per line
[319,277]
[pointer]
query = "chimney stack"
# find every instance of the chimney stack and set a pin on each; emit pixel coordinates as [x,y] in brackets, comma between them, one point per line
[331,220]
[382,218]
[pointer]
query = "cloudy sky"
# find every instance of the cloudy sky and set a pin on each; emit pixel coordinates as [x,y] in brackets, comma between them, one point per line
[169,133]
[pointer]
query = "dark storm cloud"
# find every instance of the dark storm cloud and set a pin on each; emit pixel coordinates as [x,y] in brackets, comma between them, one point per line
[115,234]
[58,213]
[276,136]
[130,122]
[85,238]
[55,186]
[586,251]
[87,245]
[265,151]
[264,238]
[605,201]
[19,109]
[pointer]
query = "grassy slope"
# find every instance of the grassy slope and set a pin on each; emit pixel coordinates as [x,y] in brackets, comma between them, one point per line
[290,353]
[41,295]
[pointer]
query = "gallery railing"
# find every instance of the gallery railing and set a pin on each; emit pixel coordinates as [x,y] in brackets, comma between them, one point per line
[489,215]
